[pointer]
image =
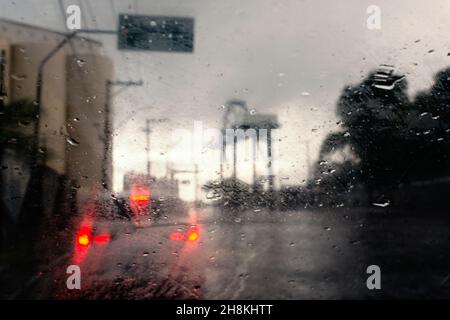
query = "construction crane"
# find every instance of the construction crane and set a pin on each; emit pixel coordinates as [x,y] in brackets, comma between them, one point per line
[238,116]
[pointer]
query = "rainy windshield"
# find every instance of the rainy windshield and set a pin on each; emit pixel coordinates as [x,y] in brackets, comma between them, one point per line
[224,149]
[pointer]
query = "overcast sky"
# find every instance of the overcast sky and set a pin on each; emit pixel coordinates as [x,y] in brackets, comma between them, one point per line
[289,57]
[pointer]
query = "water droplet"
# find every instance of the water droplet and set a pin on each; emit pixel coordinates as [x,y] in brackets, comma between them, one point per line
[18,77]
[80,62]
[213,195]
[382,204]
[72,141]
[24,123]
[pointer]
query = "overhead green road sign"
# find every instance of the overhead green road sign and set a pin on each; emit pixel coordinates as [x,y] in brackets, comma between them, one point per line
[156,33]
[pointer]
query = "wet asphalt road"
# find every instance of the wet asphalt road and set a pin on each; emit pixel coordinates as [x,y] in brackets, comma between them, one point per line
[320,254]
[253,255]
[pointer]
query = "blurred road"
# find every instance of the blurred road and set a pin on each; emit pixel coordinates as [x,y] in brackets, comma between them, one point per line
[253,255]
[321,254]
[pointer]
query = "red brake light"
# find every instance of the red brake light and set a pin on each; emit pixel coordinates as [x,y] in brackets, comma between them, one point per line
[84,236]
[177,236]
[83,239]
[139,201]
[139,198]
[192,235]
[102,239]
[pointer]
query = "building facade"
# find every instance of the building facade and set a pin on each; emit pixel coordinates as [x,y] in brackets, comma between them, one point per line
[71,116]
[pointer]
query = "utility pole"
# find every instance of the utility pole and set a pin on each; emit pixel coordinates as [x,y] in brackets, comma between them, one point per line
[223,154]
[107,151]
[234,154]
[147,145]
[147,130]
[269,160]
[255,144]
[196,183]
[308,159]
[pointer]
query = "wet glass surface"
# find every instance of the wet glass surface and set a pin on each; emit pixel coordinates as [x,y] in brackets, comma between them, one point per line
[224,149]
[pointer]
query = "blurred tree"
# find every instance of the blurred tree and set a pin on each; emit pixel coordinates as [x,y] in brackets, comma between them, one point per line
[374,115]
[395,141]
[429,126]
